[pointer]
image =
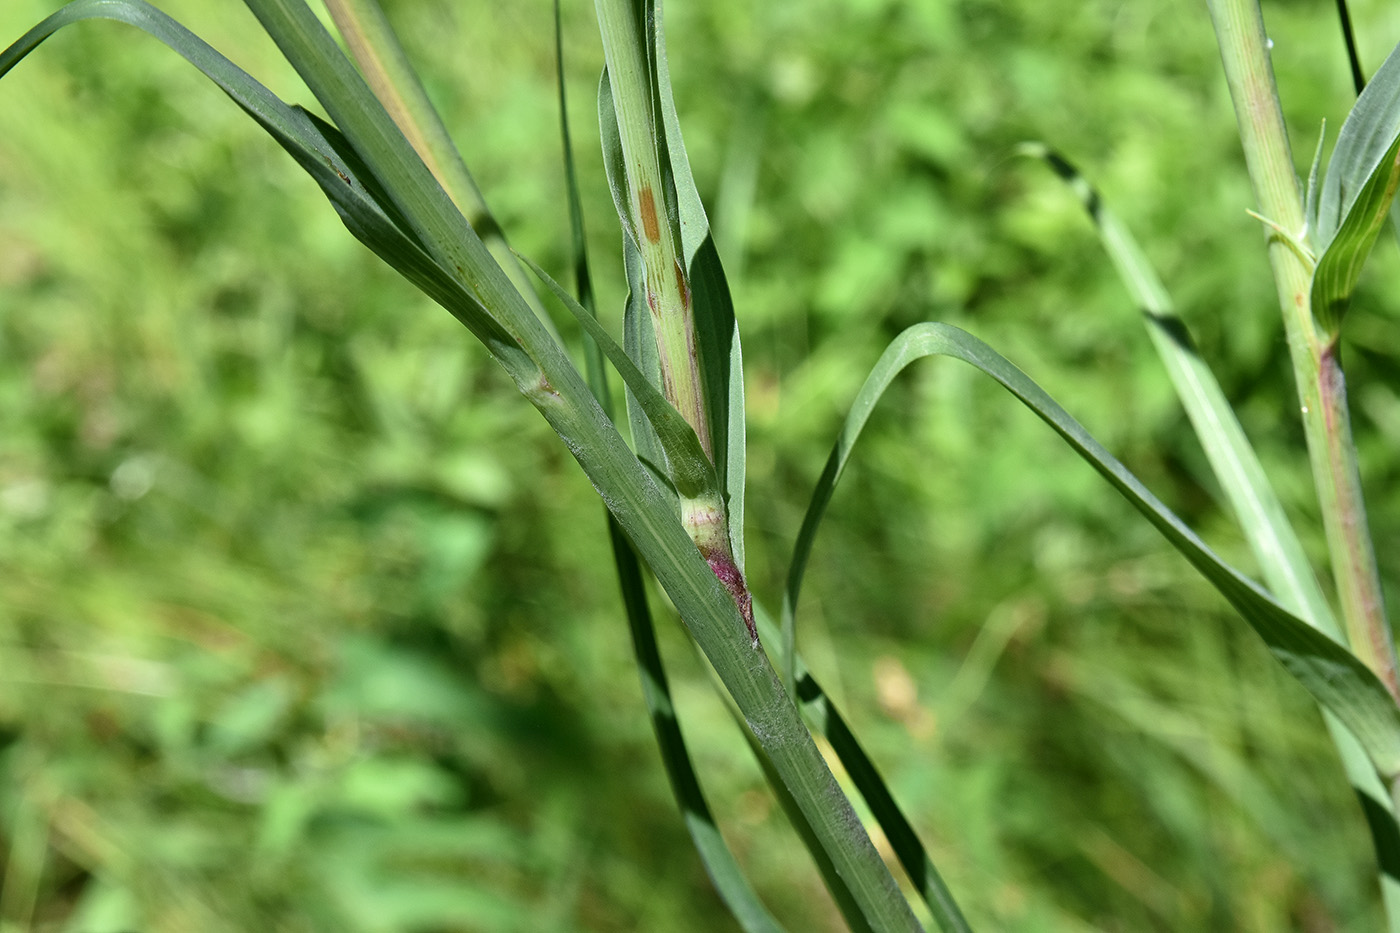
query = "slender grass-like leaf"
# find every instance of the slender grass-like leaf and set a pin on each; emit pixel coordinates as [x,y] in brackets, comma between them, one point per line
[1358,76]
[841,893]
[382,60]
[444,256]
[1282,561]
[594,367]
[1332,674]
[1271,537]
[719,861]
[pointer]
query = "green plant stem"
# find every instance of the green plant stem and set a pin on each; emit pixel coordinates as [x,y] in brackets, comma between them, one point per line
[651,218]
[1239,28]
[625,40]
[546,377]
[376,49]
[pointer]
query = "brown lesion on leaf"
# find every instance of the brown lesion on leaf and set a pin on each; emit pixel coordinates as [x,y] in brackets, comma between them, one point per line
[651,226]
[682,283]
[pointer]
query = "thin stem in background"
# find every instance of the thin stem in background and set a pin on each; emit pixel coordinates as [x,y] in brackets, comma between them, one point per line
[1239,28]
[1358,77]
[381,58]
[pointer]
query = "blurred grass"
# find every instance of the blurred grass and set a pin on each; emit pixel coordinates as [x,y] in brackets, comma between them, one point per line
[301,621]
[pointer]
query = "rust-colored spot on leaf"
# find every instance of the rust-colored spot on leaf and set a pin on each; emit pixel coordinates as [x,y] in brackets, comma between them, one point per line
[682,286]
[650,226]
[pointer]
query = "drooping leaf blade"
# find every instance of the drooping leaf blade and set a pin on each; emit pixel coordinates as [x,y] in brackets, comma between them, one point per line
[1236,467]
[1232,458]
[1331,673]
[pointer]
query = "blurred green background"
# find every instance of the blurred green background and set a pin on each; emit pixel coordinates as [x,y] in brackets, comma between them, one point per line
[305,620]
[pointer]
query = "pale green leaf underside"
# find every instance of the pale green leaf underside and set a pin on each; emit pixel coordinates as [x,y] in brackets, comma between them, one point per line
[1339,267]
[1368,132]
[1356,193]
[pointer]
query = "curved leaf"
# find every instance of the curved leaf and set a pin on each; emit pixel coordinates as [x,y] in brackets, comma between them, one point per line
[1232,458]
[1369,131]
[1271,537]
[1331,673]
[1357,193]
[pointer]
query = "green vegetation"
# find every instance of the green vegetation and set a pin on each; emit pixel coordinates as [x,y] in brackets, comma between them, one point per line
[305,617]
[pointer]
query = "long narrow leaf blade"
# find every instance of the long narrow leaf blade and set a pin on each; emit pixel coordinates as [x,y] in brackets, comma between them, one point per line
[1271,537]
[719,861]
[720,864]
[1334,676]
[840,891]
[1237,468]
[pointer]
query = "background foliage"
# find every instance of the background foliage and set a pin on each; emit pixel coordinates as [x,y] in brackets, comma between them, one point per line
[303,621]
